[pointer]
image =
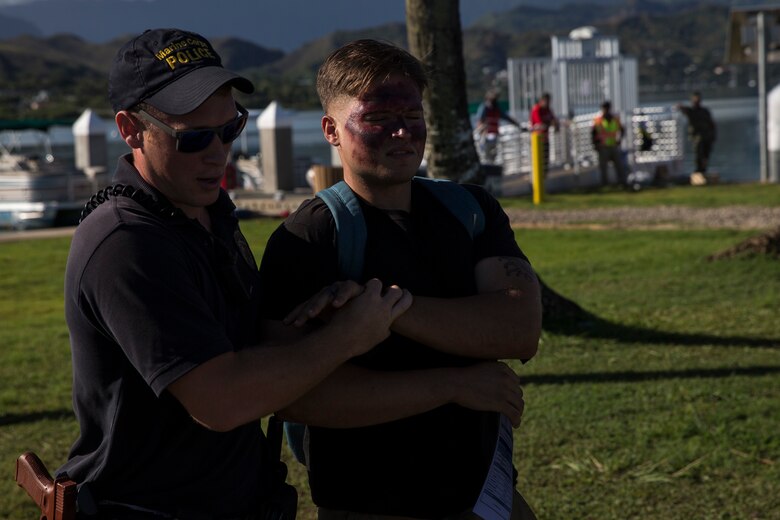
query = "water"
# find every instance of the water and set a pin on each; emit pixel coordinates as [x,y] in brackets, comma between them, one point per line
[308,141]
[735,156]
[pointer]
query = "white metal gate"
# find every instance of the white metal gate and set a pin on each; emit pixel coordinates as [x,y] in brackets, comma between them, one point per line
[580,75]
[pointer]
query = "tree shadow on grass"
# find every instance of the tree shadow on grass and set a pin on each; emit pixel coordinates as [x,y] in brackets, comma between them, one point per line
[563,316]
[652,375]
[9,419]
[592,326]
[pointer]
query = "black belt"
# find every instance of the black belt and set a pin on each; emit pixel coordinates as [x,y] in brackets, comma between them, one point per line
[128,512]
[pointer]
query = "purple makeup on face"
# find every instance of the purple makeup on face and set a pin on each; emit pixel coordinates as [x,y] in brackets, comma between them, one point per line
[385,110]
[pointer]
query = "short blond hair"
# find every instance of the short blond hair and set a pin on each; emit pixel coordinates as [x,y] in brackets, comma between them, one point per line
[351,69]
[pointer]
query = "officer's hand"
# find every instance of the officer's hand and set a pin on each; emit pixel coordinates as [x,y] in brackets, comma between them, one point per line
[320,305]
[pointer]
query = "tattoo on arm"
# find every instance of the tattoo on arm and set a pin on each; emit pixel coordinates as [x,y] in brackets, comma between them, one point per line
[518,268]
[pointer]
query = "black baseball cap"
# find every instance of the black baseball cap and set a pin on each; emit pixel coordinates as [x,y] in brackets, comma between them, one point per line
[171,69]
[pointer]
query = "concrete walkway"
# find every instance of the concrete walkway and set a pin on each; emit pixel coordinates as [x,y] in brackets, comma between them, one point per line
[14,236]
[654,217]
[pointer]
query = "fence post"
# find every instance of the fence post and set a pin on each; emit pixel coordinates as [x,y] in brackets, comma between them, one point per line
[537,165]
[275,128]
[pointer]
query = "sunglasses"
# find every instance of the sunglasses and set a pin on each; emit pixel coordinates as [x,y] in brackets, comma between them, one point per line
[191,141]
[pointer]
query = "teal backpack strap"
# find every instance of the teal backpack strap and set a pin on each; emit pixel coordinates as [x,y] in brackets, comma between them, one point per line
[459,201]
[350,228]
[350,243]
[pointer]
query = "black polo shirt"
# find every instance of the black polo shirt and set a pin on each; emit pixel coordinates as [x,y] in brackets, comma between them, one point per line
[432,464]
[148,298]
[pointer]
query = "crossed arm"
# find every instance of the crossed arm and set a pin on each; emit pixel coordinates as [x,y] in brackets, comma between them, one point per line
[238,387]
[502,321]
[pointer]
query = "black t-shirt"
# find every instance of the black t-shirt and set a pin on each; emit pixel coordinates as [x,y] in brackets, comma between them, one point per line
[148,298]
[432,464]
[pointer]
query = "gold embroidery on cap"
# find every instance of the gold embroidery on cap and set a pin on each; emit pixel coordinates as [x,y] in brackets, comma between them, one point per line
[184,51]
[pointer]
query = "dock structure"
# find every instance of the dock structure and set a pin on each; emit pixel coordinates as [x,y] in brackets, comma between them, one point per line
[584,70]
[257,203]
[38,189]
[275,129]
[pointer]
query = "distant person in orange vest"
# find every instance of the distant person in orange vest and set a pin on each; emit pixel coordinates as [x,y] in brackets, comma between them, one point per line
[489,117]
[701,129]
[606,134]
[542,119]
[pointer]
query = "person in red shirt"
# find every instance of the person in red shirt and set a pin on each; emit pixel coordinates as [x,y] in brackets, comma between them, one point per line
[542,116]
[230,179]
[489,117]
[542,119]
[490,114]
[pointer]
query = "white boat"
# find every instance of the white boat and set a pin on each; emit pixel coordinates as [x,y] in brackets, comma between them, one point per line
[37,190]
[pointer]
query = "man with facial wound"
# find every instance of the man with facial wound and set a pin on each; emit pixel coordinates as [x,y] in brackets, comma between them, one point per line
[407,429]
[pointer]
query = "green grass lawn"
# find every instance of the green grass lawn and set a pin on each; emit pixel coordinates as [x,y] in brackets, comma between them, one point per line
[751,194]
[664,405]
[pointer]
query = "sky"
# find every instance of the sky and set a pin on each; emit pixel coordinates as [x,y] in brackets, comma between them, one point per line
[275,24]
[284,25]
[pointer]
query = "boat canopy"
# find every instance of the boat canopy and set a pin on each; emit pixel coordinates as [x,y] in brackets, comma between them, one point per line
[33,124]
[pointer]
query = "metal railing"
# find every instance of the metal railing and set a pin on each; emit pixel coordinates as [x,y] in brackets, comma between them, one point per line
[571,147]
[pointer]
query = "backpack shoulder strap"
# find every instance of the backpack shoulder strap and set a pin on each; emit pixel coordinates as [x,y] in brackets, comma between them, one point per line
[350,228]
[459,201]
[350,245]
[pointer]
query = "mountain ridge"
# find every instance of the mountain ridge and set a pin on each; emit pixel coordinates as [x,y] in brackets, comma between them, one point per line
[285,26]
[679,48]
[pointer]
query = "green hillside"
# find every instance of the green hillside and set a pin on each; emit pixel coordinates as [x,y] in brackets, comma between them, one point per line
[679,47]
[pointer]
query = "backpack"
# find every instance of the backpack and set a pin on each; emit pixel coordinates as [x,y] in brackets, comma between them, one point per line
[351,234]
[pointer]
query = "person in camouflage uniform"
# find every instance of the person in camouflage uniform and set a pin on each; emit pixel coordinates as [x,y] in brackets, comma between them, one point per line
[701,129]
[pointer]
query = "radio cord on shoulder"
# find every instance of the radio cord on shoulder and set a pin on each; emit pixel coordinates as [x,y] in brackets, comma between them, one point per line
[154,206]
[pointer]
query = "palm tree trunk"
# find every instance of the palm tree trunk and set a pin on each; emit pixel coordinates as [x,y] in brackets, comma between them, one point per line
[434,34]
